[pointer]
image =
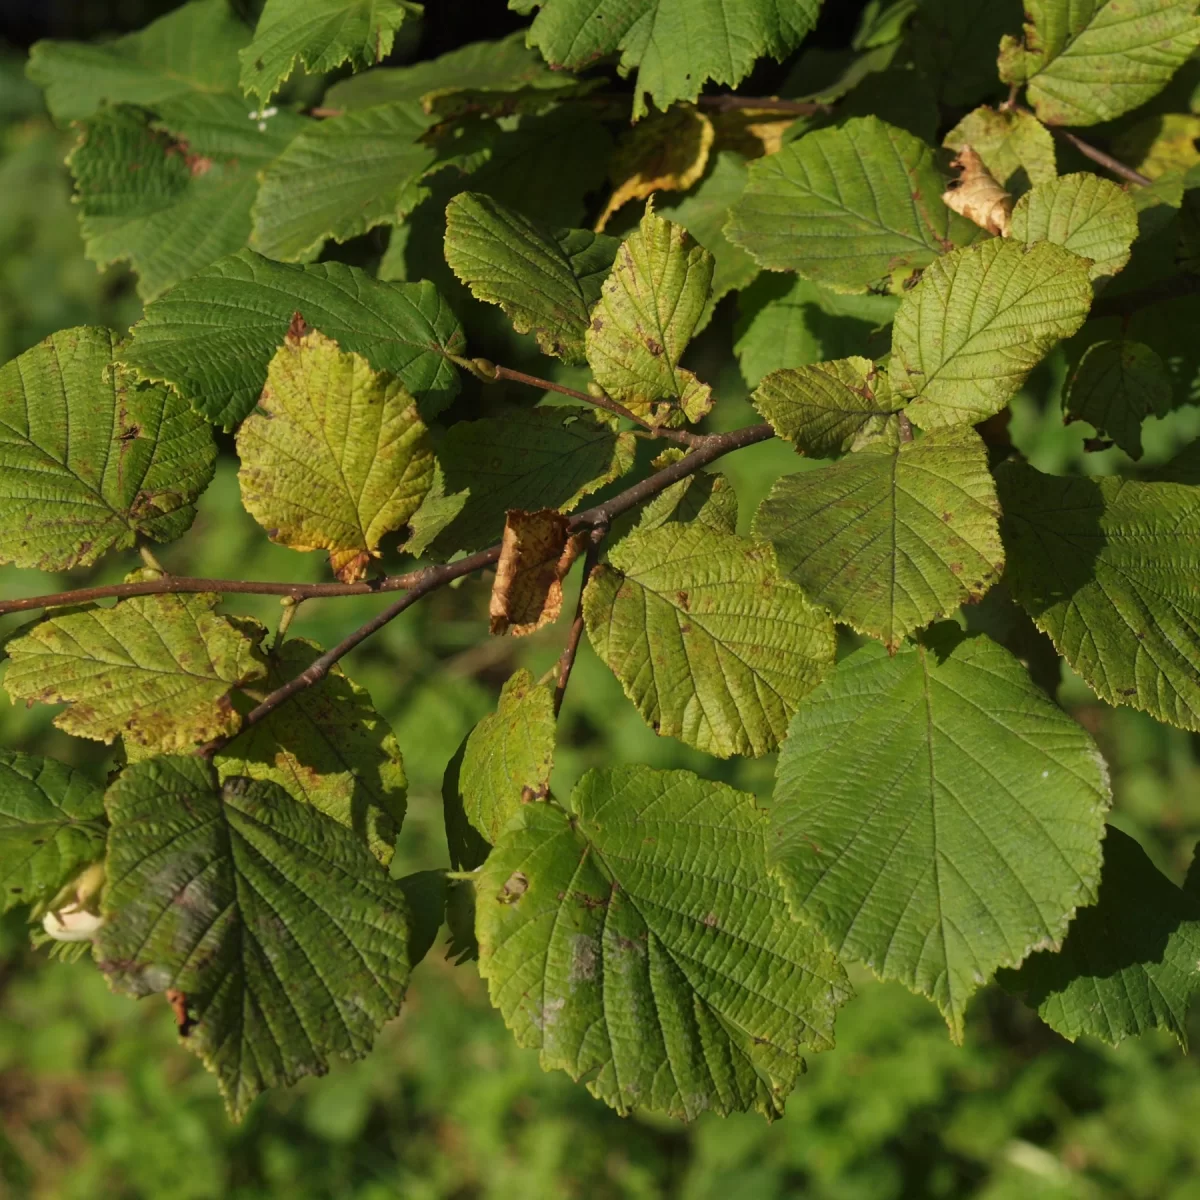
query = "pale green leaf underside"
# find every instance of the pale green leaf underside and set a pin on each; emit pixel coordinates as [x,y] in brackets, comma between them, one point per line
[936,816]
[1090,216]
[708,641]
[328,747]
[51,826]
[830,408]
[980,320]
[1115,387]
[1130,962]
[546,280]
[191,50]
[857,207]
[335,456]
[285,935]
[212,337]
[155,670]
[172,203]
[88,461]
[321,34]
[676,46]
[508,755]
[1108,568]
[1087,61]
[649,308]
[641,944]
[893,537]
[341,178]
[529,459]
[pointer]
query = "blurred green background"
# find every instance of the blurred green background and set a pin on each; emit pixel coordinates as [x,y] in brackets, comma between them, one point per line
[97,1098]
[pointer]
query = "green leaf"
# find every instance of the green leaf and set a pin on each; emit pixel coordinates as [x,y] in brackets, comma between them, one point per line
[285,936]
[639,943]
[704,212]
[341,178]
[706,497]
[526,458]
[789,322]
[335,456]
[858,208]
[191,50]
[1115,387]
[1130,962]
[675,45]
[936,816]
[509,755]
[710,644]
[155,670]
[893,537]
[1108,568]
[502,76]
[212,337]
[649,308]
[1090,216]
[954,44]
[51,826]
[321,34]
[1014,145]
[172,202]
[1087,61]
[830,408]
[546,280]
[89,461]
[980,320]
[328,747]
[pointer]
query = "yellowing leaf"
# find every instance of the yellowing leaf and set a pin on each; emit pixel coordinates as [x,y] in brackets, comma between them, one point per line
[155,670]
[976,195]
[1159,145]
[666,152]
[649,307]
[1014,145]
[335,457]
[536,552]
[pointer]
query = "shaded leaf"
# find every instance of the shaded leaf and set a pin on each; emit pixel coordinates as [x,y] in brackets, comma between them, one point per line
[1130,962]
[676,46]
[286,938]
[1115,387]
[52,825]
[509,755]
[467,848]
[546,280]
[212,337]
[857,208]
[1160,145]
[328,747]
[526,458]
[708,641]
[980,320]
[893,537]
[154,670]
[1014,145]
[321,35]
[1090,216]
[1108,568]
[1087,61]
[536,552]
[89,461]
[954,44]
[639,943]
[936,816]
[649,307]
[830,408]
[335,456]
[425,898]
[706,497]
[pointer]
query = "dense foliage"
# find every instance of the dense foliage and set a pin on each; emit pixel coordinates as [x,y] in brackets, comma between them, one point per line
[496,388]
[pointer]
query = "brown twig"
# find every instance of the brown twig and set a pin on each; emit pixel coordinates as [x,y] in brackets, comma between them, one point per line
[799,108]
[567,659]
[1097,155]
[326,113]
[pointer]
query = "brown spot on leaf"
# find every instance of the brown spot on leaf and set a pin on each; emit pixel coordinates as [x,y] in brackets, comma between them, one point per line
[514,888]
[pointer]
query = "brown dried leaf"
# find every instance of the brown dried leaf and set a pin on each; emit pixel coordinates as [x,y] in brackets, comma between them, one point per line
[977,196]
[536,553]
[665,152]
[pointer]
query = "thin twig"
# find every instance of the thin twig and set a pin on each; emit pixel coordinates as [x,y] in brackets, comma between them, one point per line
[567,659]
[1097,155]
[434,577]
[799,108]
[326,113]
